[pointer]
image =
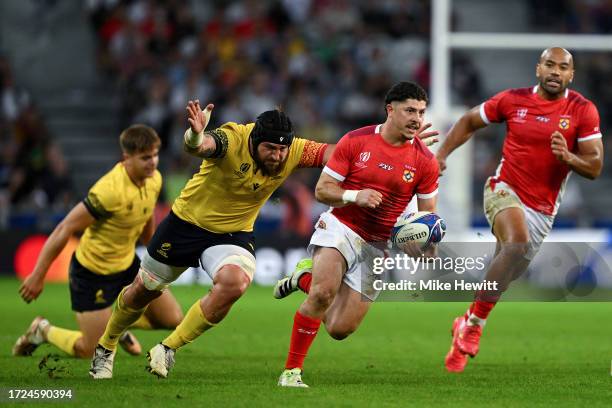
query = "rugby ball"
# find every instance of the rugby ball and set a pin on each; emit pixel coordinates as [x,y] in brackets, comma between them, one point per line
[422,227]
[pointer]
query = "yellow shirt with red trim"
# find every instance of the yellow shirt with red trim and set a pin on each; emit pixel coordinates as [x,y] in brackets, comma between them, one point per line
[229,190]
[121,210]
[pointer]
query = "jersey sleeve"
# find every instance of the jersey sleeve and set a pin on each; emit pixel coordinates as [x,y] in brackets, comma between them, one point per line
[102,200]
[312,154]
[339,164]
[428,184]
[588,128]
[227,138]
[492,110]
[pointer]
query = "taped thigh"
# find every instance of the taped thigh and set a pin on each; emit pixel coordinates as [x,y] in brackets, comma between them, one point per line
[156,275]
[215,257]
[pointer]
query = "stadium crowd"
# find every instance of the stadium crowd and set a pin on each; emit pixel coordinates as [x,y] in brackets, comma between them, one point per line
[326,63]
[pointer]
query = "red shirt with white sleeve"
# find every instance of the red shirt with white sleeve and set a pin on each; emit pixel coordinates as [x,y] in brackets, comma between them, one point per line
[363,159]
[528,164]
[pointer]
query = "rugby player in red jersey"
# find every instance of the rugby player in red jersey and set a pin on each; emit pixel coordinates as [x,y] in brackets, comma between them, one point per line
[551,132]
[369,180]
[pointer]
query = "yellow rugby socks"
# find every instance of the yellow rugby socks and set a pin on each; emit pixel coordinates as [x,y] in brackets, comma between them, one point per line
[192,326]
[63,339]
[143,323]
[123,317]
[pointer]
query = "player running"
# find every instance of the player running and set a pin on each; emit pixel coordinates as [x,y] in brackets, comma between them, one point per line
[551,131]
[372,176]
[117,211]
[211,224]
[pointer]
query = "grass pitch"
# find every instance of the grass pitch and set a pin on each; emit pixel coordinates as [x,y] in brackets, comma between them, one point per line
[532,354]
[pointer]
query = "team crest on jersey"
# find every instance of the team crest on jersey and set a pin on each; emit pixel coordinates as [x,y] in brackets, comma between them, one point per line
[564,123]
[322,225]
[408,176]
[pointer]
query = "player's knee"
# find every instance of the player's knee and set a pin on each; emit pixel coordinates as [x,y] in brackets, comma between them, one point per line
[148,282]
[321,297]
[516,248]
[231,281]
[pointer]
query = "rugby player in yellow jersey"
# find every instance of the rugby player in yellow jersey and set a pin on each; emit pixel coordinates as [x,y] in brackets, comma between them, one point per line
[117,211]
[211,224]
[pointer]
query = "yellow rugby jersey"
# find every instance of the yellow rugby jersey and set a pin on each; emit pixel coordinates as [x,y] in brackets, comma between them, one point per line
[121,209]
[227,193]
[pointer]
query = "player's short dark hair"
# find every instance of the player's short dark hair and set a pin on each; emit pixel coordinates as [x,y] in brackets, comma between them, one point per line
[138,139]
[272,126]
[406,90]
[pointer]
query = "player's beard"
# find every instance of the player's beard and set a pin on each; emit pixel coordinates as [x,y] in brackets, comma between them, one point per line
[268,170]
[553,91]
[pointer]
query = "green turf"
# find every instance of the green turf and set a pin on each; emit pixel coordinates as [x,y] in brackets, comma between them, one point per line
[533,354]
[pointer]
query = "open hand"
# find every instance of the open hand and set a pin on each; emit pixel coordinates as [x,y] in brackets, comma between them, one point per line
[31,288]
[198,118]
[428,138]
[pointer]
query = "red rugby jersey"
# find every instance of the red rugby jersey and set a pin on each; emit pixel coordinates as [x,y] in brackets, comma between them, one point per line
[528,164]
[363,159]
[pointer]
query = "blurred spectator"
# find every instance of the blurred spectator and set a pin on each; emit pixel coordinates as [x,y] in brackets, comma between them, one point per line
[33,172]
[327,63]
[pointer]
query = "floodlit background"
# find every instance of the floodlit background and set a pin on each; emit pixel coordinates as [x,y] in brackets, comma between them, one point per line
[74,73]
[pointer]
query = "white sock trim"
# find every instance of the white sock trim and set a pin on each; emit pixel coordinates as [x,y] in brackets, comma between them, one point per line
[474,320]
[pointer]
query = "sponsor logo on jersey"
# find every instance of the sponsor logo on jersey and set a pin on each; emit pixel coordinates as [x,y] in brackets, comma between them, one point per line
[322,225]
[542,119]
[256,186]
[564,123]
[385,166]
[408,176]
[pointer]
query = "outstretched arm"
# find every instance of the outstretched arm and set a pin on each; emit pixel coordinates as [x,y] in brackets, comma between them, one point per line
[460,133]
[197,142]
[77,220]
